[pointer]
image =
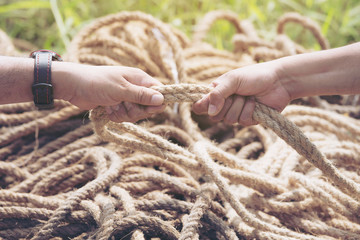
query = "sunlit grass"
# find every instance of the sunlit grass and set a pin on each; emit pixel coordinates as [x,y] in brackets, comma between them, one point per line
[34,20]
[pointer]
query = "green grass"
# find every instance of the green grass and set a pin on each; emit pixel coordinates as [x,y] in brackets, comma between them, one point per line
[52,24]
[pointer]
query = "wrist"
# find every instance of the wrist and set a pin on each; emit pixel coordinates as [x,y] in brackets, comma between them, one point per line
[327,72]
[63,80]
[42,87]
[304,74]
[289,82]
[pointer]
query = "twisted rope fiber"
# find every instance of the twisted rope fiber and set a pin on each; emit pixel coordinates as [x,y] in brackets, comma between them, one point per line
[288,131]
[184,112]
[48,120]
[223,187]
[105,176]
[136,16]
[210,167]
[59,143]
[307,23]
[192,222]
[163,182]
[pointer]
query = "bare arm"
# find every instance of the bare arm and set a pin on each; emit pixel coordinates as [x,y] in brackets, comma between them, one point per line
[16,78]
[276,83]
[125,91]
[330,72]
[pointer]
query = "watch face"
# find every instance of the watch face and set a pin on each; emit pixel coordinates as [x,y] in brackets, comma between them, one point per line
[54,55]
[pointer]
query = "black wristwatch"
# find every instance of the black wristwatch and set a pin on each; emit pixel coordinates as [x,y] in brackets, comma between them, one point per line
[42,88]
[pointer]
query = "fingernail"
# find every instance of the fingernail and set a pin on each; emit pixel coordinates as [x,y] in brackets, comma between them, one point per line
[212,110]
[157,99]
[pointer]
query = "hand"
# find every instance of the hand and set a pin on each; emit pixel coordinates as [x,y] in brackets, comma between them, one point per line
[233,98]
[124,91]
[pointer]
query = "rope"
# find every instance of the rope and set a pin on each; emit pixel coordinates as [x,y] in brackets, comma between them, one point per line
[288,131]
[177,175]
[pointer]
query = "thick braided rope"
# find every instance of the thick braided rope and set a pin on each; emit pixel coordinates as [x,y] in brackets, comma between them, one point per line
[307,23]
[291,134]
[203,26]
[46,121]
[280,125]
[165,30]
[283,193]
[249,218]
[104,177]
[182,93]
[59,143]
[192,223]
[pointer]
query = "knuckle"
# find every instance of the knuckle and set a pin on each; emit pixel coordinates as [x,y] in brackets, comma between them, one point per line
[127,106]
[229,74]
[116,117]
[141,95]
[215,95]
[135,111]
[138,71]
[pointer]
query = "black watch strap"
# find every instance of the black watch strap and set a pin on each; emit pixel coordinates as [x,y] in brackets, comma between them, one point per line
[42,88]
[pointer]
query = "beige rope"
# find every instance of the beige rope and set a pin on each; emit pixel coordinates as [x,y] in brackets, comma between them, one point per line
[179,175]
[305,22]
[265,115]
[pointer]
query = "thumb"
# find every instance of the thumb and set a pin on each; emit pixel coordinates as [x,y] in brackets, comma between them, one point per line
[144,96]
[224,87]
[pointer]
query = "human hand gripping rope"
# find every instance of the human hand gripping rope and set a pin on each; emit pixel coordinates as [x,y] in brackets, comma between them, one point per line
[275,190]
[263,114]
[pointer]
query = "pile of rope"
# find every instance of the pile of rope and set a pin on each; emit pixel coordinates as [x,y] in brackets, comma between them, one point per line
[177,175]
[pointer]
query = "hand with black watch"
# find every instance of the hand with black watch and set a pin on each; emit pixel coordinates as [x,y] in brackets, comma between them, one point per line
[124,91]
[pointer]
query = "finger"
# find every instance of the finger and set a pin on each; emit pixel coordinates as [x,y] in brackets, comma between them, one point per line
[220,116]
[120,115]
[155,109]
[135,111]
[128,112]
[140,78]
[235,110]
[246,118]
[201,106]
[225,86]
[144,96]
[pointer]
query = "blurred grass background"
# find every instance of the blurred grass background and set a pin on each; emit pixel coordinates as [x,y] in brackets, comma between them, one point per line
[51,24]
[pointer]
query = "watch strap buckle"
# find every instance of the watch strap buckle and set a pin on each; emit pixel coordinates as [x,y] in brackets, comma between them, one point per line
[44,91]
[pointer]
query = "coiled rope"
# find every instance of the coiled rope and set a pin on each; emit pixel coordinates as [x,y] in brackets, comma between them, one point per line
[285,129]
[177,175]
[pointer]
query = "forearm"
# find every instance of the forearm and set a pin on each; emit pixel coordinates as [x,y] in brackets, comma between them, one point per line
[328,72]
[17,77]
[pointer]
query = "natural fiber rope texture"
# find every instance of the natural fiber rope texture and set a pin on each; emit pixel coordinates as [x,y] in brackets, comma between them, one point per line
[288,131]
[178,175]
